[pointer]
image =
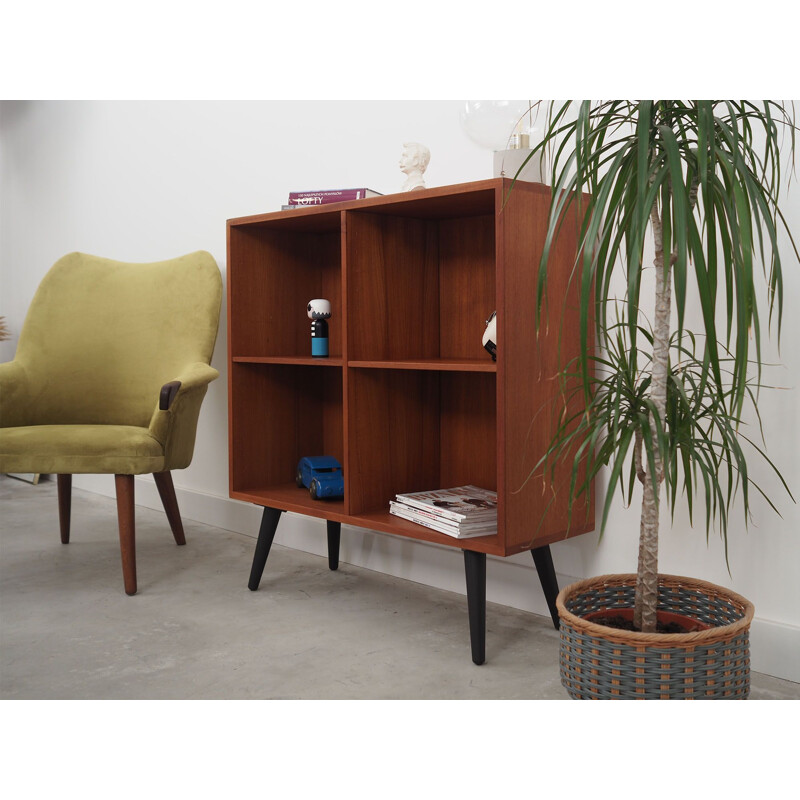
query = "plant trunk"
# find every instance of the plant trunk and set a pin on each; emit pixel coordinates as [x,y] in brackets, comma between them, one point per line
[647,575]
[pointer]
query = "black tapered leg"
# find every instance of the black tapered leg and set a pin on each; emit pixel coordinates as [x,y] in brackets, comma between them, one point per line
[543,560]
[64,505]
[475,569]
[269,524]
[334,537]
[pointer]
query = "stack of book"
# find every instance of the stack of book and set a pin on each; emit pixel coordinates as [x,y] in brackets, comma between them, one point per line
[461,512]
[303,199]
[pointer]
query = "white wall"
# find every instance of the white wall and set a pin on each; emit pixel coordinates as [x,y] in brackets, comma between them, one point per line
[141,181]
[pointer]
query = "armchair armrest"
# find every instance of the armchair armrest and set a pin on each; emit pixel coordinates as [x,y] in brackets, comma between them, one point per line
[168,394]
[174,421]
[14,395]
[199,374]
[195,376]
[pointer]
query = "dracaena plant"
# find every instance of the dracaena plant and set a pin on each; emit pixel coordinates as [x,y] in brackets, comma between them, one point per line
[663,405]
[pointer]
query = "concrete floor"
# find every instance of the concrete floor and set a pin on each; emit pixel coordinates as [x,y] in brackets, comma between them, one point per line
[194,630]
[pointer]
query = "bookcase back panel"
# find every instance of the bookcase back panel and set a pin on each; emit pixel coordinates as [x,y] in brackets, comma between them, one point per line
[466,285]
[416,430]
[252,442]
[277,272]
[279,414]
[392,287]
[467,430]
[393,432]
[320,427]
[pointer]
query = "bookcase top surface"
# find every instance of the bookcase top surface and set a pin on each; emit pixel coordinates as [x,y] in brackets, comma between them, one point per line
[461,199]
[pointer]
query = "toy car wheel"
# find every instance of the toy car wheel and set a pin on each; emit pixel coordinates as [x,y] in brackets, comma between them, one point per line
[314,489]
[298,479]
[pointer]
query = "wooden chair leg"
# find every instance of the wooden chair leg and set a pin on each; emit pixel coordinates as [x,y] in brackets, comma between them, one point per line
[64,505]
[166,490]
[127,530]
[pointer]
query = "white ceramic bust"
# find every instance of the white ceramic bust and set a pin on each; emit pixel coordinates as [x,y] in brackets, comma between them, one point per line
[414,161]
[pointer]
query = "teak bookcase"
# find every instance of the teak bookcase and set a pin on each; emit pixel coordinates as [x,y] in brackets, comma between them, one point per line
[408,398]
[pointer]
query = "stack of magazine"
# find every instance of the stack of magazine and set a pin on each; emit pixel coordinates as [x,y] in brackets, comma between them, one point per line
[461,512]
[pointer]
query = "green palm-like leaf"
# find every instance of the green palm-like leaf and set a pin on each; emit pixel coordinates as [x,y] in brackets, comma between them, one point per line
[707,173]
[700,436]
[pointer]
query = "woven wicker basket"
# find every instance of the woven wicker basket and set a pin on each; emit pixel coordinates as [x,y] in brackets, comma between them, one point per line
[598,662]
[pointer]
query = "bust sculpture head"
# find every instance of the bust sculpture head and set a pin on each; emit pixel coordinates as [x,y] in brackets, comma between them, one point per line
[413,162]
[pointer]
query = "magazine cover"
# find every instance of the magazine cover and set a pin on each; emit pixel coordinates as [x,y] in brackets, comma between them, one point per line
[460,503]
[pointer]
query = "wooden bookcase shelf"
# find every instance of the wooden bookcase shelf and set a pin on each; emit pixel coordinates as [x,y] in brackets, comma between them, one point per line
[408,399]
[308,361]
[435,364]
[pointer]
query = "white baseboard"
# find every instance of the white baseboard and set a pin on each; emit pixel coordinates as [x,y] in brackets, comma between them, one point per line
[775,647]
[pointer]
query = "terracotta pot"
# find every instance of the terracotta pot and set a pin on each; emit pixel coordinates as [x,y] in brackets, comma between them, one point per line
[599,662]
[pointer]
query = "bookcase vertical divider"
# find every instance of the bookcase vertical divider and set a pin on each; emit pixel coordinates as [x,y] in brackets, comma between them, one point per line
[348,472]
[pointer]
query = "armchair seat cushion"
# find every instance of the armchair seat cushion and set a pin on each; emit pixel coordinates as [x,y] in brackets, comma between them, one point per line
[73,449]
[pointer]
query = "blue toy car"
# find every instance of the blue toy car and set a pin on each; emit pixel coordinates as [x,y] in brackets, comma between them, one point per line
[321,475]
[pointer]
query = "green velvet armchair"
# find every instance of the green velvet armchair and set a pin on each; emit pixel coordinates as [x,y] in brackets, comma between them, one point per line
[111,368]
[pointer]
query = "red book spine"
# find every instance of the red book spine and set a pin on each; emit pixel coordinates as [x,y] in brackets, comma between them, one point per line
[332,196]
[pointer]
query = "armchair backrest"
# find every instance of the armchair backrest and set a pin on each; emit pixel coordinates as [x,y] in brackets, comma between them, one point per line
[101,337]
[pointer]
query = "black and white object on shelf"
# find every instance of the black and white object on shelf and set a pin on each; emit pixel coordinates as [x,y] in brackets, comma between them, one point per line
[490,336]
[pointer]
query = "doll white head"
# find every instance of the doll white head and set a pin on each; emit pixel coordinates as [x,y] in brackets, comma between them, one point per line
[319,309]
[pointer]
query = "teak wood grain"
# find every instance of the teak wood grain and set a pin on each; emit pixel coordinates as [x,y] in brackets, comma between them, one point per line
[409,399]
[529,392]
[393,287]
